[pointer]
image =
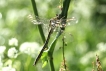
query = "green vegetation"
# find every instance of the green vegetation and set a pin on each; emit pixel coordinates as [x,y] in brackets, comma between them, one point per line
[21,40]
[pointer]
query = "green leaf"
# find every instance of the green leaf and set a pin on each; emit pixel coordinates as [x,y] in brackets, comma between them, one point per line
[44,54]
[44,64]
[44,58]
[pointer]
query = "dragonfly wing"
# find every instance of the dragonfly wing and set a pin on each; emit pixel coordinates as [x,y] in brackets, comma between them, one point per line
[40,21]
[68,37]
[45,29]
[72,21]
[37,20]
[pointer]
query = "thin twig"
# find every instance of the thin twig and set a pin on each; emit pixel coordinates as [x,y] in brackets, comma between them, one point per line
[63,51]
[98,64]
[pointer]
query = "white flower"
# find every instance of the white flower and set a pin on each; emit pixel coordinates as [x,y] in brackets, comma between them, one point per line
[30,48]
[1,64]
[12,53]
[8,63]
[2,49]
[8,69]
[101,46]
[13,42]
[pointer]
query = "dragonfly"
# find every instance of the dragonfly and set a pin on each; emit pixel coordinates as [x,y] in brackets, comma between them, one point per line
[54,23]
[57,22]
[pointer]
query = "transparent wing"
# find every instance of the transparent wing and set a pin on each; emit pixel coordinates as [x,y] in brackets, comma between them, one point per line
[71,21]
[38,20]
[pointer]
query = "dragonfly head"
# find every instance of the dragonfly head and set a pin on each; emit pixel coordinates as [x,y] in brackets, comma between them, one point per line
[62,27]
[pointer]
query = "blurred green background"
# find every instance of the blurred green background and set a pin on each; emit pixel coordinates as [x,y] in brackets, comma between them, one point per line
[88,35]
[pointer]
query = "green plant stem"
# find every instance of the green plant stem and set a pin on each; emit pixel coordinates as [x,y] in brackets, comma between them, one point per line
[52,46]
[63,14]
[36,16]
[51,50]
